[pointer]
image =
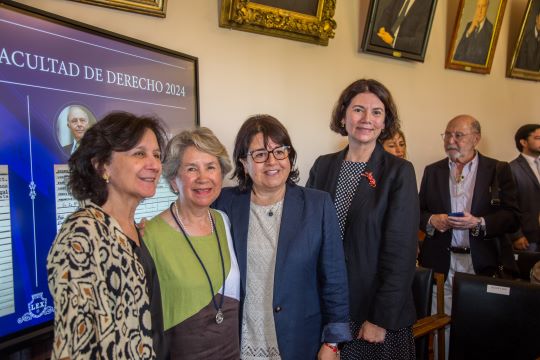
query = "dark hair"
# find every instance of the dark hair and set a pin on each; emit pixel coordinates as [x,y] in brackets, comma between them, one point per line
[392,135]
[117,131]
[391,119]
[270,128]
[523,133]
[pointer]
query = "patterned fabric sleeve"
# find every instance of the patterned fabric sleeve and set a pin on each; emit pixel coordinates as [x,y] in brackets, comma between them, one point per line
[77,286]
[100,309]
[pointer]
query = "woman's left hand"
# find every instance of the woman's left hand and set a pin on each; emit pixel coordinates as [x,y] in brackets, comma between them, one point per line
[372,333]
[325,353]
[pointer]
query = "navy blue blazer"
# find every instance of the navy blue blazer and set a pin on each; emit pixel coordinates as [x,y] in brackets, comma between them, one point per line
[475,48]
[310,281]
[380,237]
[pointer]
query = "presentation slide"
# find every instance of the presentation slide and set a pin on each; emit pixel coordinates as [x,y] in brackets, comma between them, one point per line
[57,79]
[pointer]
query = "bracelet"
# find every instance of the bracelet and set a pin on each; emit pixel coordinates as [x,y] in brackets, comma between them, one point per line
[475,231]
[332,346]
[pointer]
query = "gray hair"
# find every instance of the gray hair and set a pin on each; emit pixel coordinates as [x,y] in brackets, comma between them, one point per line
[475,125]
[203,139]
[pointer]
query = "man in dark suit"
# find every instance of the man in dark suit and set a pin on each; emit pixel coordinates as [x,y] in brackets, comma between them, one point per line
[526,171]
[467,204]
[77,122]
[476,40]
[402,25]
[529,53]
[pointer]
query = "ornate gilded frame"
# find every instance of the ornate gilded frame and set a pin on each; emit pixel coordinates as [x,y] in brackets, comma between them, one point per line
[147,7]
[247,15]
[495,6]
[520,69]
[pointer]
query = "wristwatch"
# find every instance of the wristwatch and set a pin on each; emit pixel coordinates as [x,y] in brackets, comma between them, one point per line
[481,225]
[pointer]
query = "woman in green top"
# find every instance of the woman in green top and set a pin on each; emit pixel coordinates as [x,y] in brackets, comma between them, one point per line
[192,248]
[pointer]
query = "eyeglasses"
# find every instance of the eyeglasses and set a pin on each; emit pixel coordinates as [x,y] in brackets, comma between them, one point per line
[456,135]
[260,156]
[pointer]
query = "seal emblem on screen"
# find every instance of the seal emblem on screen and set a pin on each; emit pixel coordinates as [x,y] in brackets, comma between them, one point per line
[37,308]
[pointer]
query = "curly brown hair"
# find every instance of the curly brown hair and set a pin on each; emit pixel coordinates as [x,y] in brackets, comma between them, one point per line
[117,131]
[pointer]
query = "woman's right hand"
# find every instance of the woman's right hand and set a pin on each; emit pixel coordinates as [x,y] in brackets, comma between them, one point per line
[371,333]
[326,353]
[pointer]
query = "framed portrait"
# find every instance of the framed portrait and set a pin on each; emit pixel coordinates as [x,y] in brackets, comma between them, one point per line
[71,123]
[303,20]
[399,28]
[147,7]
[525,62]
[475,34]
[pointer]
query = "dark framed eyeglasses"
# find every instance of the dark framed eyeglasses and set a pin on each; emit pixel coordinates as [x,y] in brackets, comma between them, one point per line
[260,156]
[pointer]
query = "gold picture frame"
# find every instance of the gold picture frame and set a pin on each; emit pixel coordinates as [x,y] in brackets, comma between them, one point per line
[525,62]
[474,40]
[280,18]
[147,7]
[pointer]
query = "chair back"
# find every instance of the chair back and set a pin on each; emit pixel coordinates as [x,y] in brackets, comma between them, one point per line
[525,260]
[422,290]
[494,318]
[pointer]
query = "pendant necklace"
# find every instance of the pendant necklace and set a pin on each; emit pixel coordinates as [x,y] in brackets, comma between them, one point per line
[176,217]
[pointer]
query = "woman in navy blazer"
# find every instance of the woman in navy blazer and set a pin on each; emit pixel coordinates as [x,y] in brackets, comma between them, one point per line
[377,202]
[291,233]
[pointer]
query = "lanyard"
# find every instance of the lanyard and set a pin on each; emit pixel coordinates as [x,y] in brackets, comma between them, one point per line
[176,217]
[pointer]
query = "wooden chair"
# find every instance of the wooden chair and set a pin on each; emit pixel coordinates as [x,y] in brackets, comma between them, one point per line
[429,323]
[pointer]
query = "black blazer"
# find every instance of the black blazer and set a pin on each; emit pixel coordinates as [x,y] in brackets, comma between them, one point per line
[529,54]
[528,195]
[413,28]
[67,149]
[500,219]
[380,237]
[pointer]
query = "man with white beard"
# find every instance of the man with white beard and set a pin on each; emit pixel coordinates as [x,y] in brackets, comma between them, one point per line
[467,204]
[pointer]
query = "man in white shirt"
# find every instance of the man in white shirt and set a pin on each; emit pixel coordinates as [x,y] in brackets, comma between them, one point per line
[526,172]
[464,217]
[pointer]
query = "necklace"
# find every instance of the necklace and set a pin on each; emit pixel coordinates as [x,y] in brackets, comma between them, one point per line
[182,223]
[176,217]
[273,209]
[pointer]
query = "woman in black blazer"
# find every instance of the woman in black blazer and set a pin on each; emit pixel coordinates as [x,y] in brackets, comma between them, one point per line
[376,197]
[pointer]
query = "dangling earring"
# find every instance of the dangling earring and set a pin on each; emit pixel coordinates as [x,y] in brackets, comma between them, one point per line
[106,177]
